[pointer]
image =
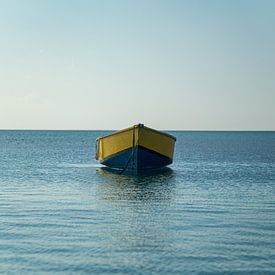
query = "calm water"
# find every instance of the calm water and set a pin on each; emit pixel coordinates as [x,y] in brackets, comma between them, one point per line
[213,211]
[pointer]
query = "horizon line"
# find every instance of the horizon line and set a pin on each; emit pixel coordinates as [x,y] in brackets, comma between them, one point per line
[173,130]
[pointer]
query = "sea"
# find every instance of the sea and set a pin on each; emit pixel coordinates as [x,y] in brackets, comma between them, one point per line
[212,211]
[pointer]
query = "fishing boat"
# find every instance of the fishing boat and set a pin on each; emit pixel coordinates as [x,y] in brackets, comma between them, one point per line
[137,148]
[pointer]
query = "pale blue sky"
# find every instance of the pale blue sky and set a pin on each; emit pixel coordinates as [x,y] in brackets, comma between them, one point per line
[200,65]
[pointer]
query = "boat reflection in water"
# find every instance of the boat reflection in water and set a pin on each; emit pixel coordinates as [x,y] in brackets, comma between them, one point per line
[138,210]
[155,185]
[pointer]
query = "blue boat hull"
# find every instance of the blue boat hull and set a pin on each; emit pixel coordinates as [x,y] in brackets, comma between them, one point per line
[137,159]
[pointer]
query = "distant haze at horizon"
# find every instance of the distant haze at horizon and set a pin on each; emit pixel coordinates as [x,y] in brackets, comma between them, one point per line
[179,65]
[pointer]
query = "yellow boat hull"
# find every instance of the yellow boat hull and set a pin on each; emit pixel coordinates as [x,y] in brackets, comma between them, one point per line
[136,148]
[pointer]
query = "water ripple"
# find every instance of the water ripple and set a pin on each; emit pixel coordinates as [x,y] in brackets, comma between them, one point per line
[212,212]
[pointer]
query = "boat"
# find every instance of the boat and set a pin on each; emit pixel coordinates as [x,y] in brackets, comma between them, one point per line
[135,149]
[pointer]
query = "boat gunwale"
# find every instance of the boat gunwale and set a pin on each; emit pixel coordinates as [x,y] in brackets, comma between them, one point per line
[133,127]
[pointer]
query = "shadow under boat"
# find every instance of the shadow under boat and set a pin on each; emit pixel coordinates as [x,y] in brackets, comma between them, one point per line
[151,186]
[164,171]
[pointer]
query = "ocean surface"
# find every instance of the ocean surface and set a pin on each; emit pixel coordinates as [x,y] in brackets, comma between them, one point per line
[213,211]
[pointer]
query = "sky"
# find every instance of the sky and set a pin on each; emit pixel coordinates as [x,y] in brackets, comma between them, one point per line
[108,64]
